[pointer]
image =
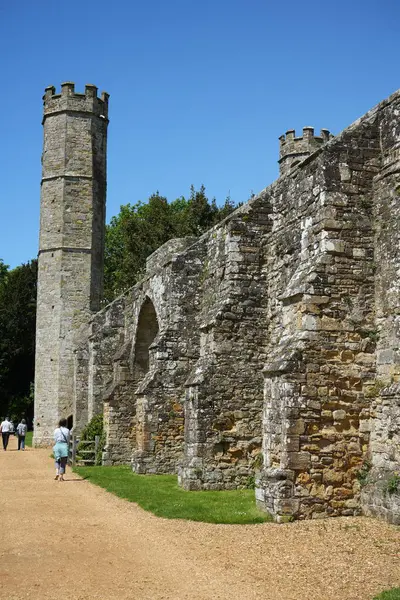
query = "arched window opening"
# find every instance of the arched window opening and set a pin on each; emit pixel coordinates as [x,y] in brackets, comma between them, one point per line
[70,422]
[147,330]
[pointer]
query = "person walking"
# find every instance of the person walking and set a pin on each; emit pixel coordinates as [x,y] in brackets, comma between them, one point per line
[22,428]
[60,449]
[5,429]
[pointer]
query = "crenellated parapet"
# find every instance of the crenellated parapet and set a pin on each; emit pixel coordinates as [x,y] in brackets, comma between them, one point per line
[71,101]
[294,150]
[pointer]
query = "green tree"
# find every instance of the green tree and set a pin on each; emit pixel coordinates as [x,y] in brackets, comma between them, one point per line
[200,213]
[131,237]
[3,270]
[17,338]
[139,229]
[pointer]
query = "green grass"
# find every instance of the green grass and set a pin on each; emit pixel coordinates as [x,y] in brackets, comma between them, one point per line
[161,495]
[393,594]
[28,438]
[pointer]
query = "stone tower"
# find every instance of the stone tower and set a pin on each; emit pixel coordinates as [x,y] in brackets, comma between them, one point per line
[294,150]
[71,246]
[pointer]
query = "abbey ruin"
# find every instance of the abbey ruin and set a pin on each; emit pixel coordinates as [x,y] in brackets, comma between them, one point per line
[268,348]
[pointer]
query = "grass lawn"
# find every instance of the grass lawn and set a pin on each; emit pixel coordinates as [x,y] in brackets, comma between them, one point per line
[28,438]
[161,495]
[393,594]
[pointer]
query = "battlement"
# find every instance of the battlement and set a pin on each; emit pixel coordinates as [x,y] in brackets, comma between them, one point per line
[294,150]
[69,100]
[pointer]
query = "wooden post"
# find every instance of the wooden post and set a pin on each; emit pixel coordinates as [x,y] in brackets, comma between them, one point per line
[96,447]
[74,445]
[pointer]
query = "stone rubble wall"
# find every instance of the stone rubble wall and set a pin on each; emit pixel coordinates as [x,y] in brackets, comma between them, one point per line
[144,411]
[223,403]
[160,394]
[268,348]
[166,252]
[384,452]
[80,397]
[321,363]
[209,304]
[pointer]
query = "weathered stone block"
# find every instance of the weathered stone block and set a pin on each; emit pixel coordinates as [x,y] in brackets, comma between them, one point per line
[299,461]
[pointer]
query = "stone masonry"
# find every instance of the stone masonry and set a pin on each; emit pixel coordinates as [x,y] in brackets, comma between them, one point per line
[71,246]
[265,352]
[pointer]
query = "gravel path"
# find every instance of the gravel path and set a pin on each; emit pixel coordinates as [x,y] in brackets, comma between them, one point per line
[75,540]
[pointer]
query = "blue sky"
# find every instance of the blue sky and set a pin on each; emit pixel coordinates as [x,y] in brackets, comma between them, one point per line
[199,91]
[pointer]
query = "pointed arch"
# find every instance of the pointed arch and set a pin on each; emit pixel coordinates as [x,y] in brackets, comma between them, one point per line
[147,329]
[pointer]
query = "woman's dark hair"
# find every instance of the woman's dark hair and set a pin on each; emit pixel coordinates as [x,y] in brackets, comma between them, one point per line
[62,423]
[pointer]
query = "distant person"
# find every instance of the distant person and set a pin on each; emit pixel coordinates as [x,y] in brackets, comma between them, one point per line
[12,430]
[61,438]
[5,429]
[22,428]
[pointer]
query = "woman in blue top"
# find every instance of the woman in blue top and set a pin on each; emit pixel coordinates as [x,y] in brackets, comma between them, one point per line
[61,438]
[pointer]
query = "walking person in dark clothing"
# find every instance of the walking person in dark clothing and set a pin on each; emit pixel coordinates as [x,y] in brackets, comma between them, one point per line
[6,428]
[22,428]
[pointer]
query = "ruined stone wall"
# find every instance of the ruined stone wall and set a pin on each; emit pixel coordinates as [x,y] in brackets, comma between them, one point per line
[167,251]
[71,243]
[138,367]
[223,404]
[209,305]
[321,365]
[384,456]
[270,344]
[105,339]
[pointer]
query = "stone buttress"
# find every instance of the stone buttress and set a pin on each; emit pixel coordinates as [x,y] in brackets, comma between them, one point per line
[383,466]
[320,379]
[223,392]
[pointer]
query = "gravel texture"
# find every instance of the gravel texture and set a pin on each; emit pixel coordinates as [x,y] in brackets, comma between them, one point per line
[74,539]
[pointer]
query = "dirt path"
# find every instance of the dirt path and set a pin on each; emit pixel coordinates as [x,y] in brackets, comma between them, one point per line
[74,539]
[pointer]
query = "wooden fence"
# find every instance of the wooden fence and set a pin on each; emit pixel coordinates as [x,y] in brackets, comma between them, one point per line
[88,449]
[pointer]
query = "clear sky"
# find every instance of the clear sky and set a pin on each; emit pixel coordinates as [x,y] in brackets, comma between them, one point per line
[199,90]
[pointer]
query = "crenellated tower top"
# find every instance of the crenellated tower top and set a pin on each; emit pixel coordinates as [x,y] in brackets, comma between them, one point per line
[294,150]
[69,100]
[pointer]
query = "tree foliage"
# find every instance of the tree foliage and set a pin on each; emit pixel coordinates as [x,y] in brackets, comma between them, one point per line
[94,428]
[141,228]
[3,270]
[17,338]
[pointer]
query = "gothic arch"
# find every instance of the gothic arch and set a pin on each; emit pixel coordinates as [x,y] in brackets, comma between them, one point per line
[146,332]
